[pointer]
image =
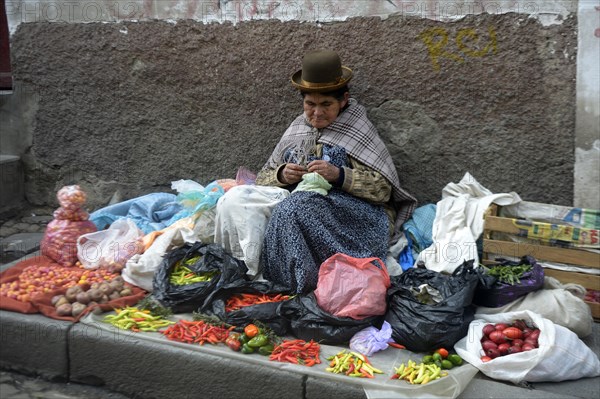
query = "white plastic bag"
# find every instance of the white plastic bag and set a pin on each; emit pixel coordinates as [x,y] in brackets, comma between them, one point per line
[561,354]
[186,186]
[110,248]
[140,269]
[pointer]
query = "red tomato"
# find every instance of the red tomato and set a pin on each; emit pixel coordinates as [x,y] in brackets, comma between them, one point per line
[443,352]
[512,333]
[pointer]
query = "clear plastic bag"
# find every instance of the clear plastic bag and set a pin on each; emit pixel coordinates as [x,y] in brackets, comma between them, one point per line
[110,248]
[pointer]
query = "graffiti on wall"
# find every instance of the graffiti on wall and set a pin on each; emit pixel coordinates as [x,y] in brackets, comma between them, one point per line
[468,43]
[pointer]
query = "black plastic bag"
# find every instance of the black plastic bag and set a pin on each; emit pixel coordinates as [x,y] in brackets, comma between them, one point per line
[308,321]
[267,313]
[189,297]
[423,327]
[500,293]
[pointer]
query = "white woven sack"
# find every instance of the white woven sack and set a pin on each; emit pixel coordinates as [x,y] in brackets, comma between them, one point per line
[561,354]
[560,305]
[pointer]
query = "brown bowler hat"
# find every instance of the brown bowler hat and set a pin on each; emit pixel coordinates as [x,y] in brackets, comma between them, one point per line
[321,71]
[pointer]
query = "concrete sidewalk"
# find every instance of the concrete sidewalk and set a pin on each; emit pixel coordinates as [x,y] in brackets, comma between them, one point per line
[83,354]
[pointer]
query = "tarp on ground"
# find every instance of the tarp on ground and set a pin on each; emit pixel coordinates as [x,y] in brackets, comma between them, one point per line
[382,386]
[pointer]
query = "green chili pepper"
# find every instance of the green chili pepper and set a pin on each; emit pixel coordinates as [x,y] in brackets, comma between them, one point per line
[266,350]
[258,341]
[244,338]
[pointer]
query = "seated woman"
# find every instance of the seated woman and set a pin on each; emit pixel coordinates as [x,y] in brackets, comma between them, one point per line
[345,192]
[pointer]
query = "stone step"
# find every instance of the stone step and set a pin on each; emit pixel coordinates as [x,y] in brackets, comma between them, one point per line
[19,245]
[12,181]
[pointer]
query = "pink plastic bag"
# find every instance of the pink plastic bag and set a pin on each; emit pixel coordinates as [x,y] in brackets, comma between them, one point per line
[352,287]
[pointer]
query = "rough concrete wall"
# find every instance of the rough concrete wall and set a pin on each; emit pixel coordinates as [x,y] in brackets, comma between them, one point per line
[134,106]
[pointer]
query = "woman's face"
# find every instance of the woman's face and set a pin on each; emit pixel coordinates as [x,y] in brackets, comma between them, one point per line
[322,110]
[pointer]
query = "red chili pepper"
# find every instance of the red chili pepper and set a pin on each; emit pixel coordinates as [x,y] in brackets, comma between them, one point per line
[297,351]
[395,345]
[350,369]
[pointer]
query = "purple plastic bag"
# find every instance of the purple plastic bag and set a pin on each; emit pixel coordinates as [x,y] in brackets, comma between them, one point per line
[371,339]
[500,294]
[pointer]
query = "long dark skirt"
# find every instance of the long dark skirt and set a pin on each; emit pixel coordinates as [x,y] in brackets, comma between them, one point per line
[307,228]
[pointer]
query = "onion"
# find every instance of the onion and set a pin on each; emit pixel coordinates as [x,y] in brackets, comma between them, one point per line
[527,347]
[488,328]
[493,353]
[489,345]
[535,334]
[514,349]
[531,341]
[503,348]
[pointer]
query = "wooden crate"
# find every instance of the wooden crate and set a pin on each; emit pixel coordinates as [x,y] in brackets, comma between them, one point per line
[493,247]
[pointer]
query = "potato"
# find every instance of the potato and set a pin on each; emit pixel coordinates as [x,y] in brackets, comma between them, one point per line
[83,297]
[104,299]
[126,292]
[105,288]
[116,285]
[72,292]
[94,294]
[97,310]
[114,295]
[64,310]
[119,279]
[56,298]
[61,301]
[77,308]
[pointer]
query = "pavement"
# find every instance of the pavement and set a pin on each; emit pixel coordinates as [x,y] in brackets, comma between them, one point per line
[47,358]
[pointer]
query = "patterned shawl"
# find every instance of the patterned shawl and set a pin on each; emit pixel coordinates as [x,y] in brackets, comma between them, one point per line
[353,131]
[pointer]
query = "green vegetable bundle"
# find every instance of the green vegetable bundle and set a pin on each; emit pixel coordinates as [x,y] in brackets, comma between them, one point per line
[509,274]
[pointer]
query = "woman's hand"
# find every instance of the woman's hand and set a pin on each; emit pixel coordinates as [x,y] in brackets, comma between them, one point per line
[330,172]
[292,173]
